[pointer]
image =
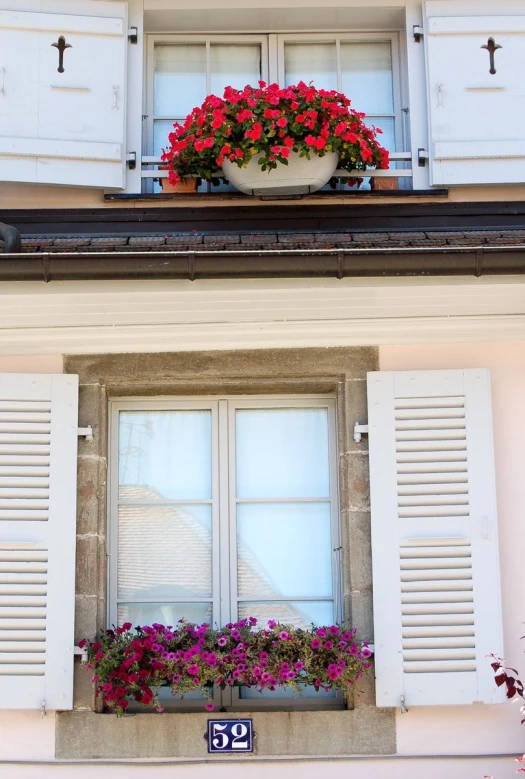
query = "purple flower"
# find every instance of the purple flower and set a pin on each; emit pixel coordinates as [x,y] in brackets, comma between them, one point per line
[156,648]
[321,632]
[347,636]
[210,706]
[236,635]
[272,624]
[333,630]
[299,665]
[354,649]
[192,669]
[257,671]
[315,643]
[365,651]
[328,645]
[263,656]
[264,663]
[290,675]
[283,635]
[253,621]
[285,667]
[222,641]
[266,676]
[342,644]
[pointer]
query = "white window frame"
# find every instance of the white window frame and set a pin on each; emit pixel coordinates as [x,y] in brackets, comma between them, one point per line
[156,39]
[224,596]
[392,38]
[272,68]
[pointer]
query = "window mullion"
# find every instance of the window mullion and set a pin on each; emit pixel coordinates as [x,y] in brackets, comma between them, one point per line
[223,546]
[338,65]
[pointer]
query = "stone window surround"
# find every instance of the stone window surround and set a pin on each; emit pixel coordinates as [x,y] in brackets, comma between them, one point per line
[361,730]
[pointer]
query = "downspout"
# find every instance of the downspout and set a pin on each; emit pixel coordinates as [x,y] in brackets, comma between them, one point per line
[11,238]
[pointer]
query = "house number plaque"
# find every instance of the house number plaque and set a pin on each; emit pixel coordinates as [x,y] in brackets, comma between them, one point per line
[230,735]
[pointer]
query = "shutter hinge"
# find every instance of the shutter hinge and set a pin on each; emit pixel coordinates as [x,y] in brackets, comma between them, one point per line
[133,34]
[81,652]
[43,709]
[402,708]
[87,432]
[418,33]
[422,157]
[359,430]
[131,159]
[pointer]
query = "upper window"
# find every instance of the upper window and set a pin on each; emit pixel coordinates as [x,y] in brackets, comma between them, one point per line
[225,509]
[183,70]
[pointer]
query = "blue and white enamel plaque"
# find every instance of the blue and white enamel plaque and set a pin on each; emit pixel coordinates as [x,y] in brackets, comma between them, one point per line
[230,735]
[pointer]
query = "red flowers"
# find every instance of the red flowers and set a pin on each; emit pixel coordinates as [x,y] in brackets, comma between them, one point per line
[247,123]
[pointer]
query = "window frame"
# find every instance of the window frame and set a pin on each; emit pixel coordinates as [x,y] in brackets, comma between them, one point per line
[272,68]
[338,37]
[224,597]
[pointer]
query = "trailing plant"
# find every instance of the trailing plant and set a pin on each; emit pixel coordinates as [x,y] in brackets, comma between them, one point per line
[133,664]
[514,689]
[271,122]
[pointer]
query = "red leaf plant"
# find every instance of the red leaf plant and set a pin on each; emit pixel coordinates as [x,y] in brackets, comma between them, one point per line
[271,122]
[133,664]
[504,675]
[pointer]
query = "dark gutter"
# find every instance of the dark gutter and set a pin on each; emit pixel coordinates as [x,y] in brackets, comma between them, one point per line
[293,263]
[12,239]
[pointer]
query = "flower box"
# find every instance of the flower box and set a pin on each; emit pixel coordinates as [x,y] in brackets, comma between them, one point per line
[301,176]
[269,139]
[134,664]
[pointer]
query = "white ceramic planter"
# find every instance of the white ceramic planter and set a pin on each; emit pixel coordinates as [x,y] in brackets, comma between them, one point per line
[299,177]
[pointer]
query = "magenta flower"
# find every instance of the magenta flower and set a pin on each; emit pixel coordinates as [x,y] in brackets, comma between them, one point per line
[263,656]
[333,630]
[193,669]
[210,706]
[354,649]
[236,635]
[253,621]
[365,651]
[222,641]
[283,635]
[321,632]
[285,667]
[328,645]
[315,643]
[299,665]
[272,624]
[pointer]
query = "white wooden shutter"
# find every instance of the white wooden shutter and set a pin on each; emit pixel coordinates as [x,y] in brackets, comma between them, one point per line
[63,128]
[434,537]
[476,118]
[38,453]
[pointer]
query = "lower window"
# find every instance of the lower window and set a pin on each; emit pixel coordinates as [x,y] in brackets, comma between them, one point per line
[223,509]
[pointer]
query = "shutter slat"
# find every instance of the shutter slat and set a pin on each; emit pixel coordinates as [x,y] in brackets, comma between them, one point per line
[22,669]
[426,485]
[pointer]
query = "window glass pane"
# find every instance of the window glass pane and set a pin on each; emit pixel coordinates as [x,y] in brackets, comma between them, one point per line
[388,136]
[164,552]
[367,76]
[284,549]
[234,66]
[300,614]
[316,62]
[161,130]
[164,613]
[282,453]
[165,455]
[280,693]
[179,78]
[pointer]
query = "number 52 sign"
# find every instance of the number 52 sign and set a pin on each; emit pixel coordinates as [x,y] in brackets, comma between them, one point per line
[230,735]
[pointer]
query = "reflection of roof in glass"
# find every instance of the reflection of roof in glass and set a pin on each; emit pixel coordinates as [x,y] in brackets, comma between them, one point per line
[165,552]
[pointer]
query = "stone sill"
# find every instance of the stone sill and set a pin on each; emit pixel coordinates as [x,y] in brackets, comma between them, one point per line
[218,198]
[87,736]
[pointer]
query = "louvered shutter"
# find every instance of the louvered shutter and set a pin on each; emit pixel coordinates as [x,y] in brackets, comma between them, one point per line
[434,537]
[63,127]
[38,451]
[476,117]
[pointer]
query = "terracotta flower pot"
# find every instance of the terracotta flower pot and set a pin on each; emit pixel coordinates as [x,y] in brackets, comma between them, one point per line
[299,177]
[183,187]
[384,182]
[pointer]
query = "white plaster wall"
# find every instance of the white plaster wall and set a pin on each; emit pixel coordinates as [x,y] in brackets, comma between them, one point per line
[482,729]
[48,363]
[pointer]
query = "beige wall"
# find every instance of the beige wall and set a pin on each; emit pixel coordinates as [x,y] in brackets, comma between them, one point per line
[48,363]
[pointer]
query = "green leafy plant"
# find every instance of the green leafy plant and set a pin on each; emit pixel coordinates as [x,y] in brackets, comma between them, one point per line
[271,122]
[133,664]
